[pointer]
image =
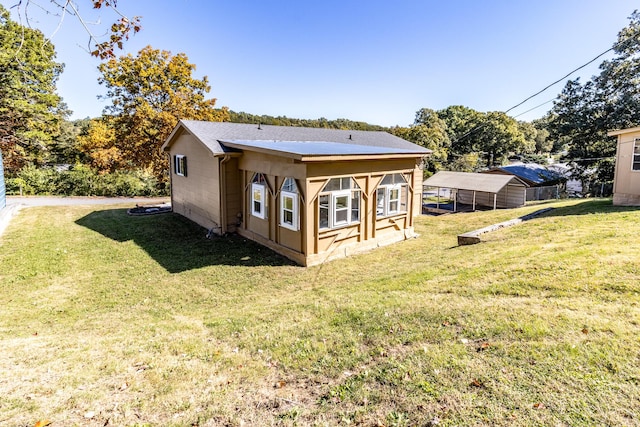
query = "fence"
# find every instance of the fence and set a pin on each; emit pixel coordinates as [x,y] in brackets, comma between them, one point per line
[3,188]
[543,193]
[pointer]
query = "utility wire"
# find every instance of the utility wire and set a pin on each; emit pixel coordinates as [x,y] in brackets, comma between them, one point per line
[537,106]
[551,85]
[561,79]
[615,45]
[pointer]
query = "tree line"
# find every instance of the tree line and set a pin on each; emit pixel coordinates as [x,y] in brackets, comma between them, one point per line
[150,91]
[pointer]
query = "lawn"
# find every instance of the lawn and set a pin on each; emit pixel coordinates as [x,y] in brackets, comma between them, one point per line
[131,321]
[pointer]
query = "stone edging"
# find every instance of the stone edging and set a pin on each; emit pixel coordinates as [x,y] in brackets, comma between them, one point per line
[473,237]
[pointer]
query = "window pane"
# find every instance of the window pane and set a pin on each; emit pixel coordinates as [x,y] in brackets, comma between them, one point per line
[288,217]
[257,207]
[288,203]
[380,201]
[324,211]
[332,185]
[393,206]
[342,216]
[394,194]
[355,206]
[341,209]
[342,202]
[345,183]
[259,179]
[290,185]
[257,195]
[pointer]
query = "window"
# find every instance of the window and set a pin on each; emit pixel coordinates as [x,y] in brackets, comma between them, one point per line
[391,195]
[289,204]
[258,196]
[339,203]
[180,164]
[636,155]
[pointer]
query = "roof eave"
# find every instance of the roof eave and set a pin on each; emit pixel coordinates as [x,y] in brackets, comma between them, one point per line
[351,157]
[623,131]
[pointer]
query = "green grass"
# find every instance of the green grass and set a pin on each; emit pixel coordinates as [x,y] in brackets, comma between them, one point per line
[110,319]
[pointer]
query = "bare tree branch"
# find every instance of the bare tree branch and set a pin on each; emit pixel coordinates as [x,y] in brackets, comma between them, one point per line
[119,31]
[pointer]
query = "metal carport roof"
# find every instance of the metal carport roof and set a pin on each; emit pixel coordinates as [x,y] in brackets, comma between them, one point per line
[487,183]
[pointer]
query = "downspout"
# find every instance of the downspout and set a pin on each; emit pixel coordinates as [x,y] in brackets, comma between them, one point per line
[222,178]
[168,154]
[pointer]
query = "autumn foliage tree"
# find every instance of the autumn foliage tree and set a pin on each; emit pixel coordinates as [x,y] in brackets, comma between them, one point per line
[149,93]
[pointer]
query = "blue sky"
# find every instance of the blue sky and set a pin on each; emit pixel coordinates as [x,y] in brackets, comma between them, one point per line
[373,61]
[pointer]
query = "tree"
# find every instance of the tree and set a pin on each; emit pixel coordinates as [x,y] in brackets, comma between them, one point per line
[98,144]
[461,123]
[583,113]
[491,136]
[120,30]
[428,131]
[30,109]
[497,137]
[149,94]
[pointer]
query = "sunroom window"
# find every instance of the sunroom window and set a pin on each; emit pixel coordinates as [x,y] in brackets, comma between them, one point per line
[289,205]
[339,203]
[391,195]
[259,196]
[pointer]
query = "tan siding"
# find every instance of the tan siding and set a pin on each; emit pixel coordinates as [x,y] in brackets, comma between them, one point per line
[626,180]
[275,169]
[197,195]
[511,196]
[233,193]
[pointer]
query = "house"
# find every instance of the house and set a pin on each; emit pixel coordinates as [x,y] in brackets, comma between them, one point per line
[309,194]
[532,174]
[475,189]
[626,180]
[542,182]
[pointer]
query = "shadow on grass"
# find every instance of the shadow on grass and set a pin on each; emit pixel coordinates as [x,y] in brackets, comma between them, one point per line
[587,207]
[178,244]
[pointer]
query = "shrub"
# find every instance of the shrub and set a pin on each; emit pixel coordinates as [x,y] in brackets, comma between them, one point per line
[32,180]
[81,180]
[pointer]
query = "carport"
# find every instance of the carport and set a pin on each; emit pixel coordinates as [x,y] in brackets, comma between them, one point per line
[475,189]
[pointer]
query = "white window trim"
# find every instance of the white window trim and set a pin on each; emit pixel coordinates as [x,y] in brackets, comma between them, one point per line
[636,143]
[333,222]
[390,188]
[177,162]
[387,199]
[261,188]
[334,195]
[294,196]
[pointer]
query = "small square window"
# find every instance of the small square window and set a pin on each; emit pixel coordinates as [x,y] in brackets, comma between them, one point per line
[180,164]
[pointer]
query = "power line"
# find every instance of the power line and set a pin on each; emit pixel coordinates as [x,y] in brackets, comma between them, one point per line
[560,79]
[537,106]
[615,45]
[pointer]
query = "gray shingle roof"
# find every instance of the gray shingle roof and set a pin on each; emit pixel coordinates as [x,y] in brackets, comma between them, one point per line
[211,133]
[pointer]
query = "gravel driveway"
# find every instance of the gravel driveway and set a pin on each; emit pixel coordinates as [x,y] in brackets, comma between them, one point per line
[76,201]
